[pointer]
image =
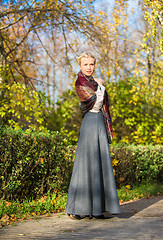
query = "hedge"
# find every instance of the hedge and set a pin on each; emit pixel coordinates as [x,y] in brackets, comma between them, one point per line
[135,165]
[33,164]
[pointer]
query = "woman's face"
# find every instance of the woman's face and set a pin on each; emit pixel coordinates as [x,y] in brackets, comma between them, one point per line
[87,66]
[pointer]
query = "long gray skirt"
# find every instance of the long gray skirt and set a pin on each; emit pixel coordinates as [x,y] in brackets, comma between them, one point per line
[92,188]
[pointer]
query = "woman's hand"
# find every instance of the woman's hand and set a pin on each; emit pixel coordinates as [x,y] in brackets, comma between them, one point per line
[99,80]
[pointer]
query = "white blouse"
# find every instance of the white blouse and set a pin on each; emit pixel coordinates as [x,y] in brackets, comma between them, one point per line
[99,100]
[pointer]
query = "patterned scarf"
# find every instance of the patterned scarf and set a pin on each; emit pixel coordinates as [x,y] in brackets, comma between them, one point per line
[85,89]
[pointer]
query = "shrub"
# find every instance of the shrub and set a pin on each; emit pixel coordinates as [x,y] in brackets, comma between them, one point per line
[33,163]
[137,164]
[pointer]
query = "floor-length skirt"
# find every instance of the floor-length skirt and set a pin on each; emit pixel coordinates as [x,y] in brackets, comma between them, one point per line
[92,188]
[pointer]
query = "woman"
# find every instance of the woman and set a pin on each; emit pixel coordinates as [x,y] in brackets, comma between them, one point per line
[92,189]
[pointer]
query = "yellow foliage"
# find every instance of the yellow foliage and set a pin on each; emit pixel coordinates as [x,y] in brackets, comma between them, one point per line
[115,162]
[7,203]
[41,160]
[101,13]
[54,202]
[5,218]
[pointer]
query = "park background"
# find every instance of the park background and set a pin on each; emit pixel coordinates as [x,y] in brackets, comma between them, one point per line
[40,116]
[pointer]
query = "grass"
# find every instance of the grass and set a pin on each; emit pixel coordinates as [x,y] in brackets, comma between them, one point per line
[10,212]
[128,193]
[14,211]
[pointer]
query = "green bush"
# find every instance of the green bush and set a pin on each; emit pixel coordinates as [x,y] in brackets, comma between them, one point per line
[33,163]
[137,164]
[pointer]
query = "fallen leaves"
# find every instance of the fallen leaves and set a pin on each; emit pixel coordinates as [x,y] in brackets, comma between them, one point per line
[4,220]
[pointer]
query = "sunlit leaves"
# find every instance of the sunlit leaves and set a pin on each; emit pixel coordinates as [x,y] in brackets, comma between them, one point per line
[153,15]
[136,111]
[21,107]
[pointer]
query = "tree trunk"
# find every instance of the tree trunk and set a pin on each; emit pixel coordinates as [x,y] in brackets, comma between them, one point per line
[2,59]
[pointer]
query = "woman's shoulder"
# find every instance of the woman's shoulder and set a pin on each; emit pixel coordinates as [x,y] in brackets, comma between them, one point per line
[99,80]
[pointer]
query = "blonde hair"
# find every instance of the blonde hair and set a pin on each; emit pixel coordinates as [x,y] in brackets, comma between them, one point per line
[86,55]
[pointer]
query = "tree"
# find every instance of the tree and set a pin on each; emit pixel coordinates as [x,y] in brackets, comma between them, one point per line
[131,65]
[22,107]
[123,60]
[26,18]
[67,117]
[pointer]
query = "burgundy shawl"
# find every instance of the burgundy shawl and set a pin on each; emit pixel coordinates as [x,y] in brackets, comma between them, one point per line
[85,89]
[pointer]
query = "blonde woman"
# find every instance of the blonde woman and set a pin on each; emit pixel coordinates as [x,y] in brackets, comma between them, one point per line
[92,190]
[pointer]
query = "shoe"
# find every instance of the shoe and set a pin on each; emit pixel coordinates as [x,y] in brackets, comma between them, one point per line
[86,217]
[99,217]
[74,217]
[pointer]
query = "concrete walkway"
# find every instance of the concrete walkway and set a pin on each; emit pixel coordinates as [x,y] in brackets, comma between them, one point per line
[141,219]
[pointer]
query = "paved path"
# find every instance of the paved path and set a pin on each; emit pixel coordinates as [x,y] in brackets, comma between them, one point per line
[142,219]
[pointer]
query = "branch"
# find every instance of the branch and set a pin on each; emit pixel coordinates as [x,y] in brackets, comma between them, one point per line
[26,10]
[40,40]
[9,25]
[18,44]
